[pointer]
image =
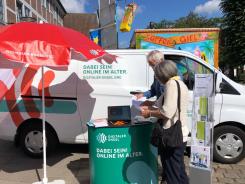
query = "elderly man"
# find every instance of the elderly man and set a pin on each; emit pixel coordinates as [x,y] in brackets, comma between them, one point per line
[156,89]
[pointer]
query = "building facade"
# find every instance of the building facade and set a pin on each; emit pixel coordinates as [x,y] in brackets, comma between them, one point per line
[81,22]
[107,22]
[51,11]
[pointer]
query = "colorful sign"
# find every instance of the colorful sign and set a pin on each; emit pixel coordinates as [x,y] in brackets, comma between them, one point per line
[201,42]
[128,17]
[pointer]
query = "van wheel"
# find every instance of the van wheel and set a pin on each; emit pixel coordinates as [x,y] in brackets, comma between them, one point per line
[32,143]
[229,144]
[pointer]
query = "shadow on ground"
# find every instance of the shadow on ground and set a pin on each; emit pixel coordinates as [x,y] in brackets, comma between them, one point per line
[12,159]
[80,170]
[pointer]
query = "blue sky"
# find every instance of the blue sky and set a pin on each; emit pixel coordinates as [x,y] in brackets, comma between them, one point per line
[149,10]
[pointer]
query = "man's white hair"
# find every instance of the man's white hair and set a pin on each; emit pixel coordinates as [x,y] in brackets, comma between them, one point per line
[156,56]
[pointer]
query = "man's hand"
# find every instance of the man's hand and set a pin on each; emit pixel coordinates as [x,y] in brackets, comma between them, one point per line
[147,103]
[139,95]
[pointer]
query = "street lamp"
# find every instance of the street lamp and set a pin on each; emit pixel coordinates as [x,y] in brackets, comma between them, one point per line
[152,25]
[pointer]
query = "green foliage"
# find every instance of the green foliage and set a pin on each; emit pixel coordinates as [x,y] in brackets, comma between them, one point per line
[195,21]
[192,20]
[233,32]
[162,24]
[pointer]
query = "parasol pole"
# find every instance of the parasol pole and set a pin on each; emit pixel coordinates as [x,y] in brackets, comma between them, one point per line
[45,179]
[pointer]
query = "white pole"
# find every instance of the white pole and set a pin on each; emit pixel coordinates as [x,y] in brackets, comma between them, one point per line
[45,179]
[99,8]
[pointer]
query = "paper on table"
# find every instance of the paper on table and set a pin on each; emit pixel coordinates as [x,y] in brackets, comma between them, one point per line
[100,122]
[141,119]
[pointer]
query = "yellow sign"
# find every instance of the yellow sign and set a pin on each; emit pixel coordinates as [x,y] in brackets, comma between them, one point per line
[128,18]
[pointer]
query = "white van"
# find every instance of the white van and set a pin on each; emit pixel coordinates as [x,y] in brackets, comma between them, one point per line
[84,91]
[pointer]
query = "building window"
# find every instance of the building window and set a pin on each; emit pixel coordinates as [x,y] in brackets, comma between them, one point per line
[48,5]
[45,3]
[27,12]
[1,11]
[19,10]
[52,7]
[56,13]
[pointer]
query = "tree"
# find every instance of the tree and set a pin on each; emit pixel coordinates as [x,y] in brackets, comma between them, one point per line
[192,20]
[162,24]
[195,21]
[234,32]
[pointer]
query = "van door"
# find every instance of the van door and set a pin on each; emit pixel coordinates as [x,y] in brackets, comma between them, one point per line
[104,84]
[62,110]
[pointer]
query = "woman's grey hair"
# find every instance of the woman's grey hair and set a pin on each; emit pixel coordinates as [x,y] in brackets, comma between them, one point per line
[165,70]
[155,55]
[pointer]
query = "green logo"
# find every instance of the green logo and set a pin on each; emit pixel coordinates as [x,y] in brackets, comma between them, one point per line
[101,138]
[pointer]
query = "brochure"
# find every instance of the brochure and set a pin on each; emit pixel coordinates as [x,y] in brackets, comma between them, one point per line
[99,123]
[200,157]
[203,85]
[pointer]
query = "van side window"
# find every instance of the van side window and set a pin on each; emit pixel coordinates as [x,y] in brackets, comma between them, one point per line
[195,67]
[180,63]
[182,69]
[226,88]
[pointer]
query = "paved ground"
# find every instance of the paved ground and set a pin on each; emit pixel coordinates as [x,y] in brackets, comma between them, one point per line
[71,163]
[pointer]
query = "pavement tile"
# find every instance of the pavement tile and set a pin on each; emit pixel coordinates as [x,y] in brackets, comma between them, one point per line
[224,166]
[220,170]
[242,167]
[231,175]
[11,182]
[240,181]
[215,166]
[242,175]
[235,170]
[218,175]
[242,162]
[67,180]
[22,176]
[226,180]
[214,179]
